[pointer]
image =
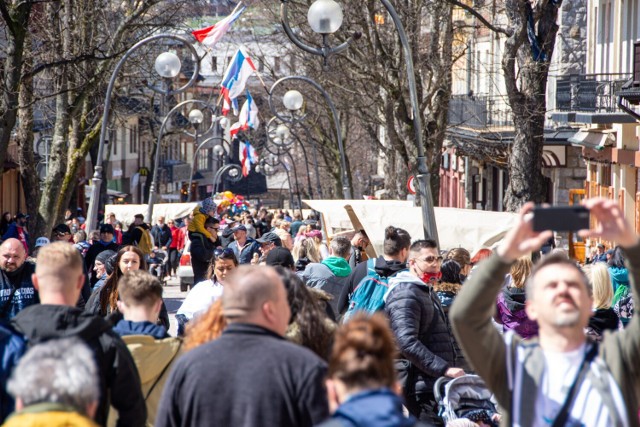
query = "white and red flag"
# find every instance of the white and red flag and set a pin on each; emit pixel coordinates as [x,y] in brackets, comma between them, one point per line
[248,117]
[248,157]
[211,35]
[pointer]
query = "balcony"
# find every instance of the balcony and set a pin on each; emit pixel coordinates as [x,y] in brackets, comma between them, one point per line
[479,112]
[590,98]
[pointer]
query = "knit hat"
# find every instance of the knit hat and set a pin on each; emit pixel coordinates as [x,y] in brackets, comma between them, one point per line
[207,205]
[280,256]
[104,256]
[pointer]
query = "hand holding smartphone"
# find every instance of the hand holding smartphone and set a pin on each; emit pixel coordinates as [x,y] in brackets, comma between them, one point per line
[561,218]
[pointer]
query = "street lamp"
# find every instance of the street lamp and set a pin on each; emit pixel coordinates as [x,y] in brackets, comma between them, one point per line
[195,118]
[423,177]
[294,100]
[166,67]
[325,17]
[216,152]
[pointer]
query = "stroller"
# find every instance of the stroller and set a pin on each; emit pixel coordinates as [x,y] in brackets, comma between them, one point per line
[464,397]
[157,261]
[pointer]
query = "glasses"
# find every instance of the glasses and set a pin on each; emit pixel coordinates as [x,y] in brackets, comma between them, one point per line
[430,259]
[226,252]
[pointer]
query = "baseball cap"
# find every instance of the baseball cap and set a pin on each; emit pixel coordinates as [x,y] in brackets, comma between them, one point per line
[61,229]
[280,256]
[21,215]
[239,228]
[42,241]
[600,245]
[107,228]
[270,237]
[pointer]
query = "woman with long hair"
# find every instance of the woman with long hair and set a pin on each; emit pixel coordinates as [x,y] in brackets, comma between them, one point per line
[463,258]
[103,301]
[305,252]
[604,317]
[510,311]
[619,275]
[203,294]
[309,325]
[362,385]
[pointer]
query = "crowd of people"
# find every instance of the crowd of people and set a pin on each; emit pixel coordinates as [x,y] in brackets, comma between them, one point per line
[284,327]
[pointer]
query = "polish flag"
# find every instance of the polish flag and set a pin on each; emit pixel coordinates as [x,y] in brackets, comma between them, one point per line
[211,35]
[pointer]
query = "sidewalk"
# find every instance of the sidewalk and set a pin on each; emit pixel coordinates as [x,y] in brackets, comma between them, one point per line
[173,300]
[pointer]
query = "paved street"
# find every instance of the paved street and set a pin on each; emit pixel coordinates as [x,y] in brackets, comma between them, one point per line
[173,299]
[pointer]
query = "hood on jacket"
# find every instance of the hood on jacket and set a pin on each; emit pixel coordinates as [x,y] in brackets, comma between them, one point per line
[373,408]
[338,266]
[403,277]
[619,275]
[514,298]
[127,327]
[388,268]
[151,356]
[43,322]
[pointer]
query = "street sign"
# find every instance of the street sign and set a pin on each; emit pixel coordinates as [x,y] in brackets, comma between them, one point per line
[411,184]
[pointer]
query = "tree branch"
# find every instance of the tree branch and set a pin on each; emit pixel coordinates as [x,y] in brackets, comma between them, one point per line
[481,18]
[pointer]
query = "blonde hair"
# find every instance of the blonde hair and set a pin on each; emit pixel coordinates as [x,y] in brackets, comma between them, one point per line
[520,271]
[59,260]
[306,248]
[600,283]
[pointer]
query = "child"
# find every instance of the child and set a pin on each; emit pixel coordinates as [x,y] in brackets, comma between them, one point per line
[206,209]
[153,350]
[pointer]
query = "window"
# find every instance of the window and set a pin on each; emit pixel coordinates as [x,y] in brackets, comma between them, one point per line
[113,140]
[214,64]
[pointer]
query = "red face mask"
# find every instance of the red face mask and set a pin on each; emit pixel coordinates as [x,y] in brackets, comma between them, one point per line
[431,278]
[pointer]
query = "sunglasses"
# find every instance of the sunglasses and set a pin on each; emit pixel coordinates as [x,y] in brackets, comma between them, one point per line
[226,252]
[430,259]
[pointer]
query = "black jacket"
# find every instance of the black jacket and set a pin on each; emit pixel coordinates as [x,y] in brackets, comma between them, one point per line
[201,256]
[248,377]
[119,380]
[411,306]
[161,235]
[382,266]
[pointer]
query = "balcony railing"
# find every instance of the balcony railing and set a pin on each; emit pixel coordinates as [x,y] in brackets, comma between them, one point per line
[595,93]
[479,111]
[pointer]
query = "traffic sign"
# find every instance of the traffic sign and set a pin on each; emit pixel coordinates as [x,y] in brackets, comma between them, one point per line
[411,185]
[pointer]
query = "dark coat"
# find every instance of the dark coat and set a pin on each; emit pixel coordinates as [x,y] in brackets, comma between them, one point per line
[12,346]
[411,306]
[201,256]
[18,286]
[248,377]
[119,380]
[161,235]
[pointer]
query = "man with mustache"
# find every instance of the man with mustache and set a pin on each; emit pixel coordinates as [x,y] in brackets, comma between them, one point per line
[561,378]
[16,288]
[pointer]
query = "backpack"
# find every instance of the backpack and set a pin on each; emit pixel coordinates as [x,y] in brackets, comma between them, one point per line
[146,241]
[368,296]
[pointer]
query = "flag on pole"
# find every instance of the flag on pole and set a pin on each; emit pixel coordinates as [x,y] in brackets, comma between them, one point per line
[248,157]
[248,117]
[211,35]
[235,78]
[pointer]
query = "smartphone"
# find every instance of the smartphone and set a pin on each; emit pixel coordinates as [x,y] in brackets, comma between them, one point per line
[560,218]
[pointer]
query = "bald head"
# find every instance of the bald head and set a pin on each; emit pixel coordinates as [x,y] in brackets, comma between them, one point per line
[59,271]
[12,255]
[256,294]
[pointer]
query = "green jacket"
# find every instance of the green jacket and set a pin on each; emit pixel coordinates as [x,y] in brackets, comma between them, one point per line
[486,350]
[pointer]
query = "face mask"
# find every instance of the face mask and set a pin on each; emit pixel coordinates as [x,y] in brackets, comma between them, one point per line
[430,278]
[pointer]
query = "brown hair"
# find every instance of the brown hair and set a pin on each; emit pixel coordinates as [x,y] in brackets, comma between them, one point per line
[109,293]
[206,327]
[520,271]
[139,288]
[363,353]
[460,255]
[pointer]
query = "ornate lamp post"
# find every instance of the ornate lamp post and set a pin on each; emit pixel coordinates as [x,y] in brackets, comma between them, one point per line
[167,65]
[216,153]
[333,15]
[293,101]
[195,118]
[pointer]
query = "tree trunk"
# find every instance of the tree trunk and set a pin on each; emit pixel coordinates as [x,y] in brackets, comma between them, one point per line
[16,19]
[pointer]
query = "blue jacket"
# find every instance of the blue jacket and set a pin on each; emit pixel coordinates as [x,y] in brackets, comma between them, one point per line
[127,327]
[246,254]
[12,346]
[371,408]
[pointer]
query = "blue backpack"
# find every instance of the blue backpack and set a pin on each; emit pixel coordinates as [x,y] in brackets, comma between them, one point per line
[368,296]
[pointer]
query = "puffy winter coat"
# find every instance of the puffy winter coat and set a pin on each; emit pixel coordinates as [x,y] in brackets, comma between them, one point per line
[511,314]
[411,306]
